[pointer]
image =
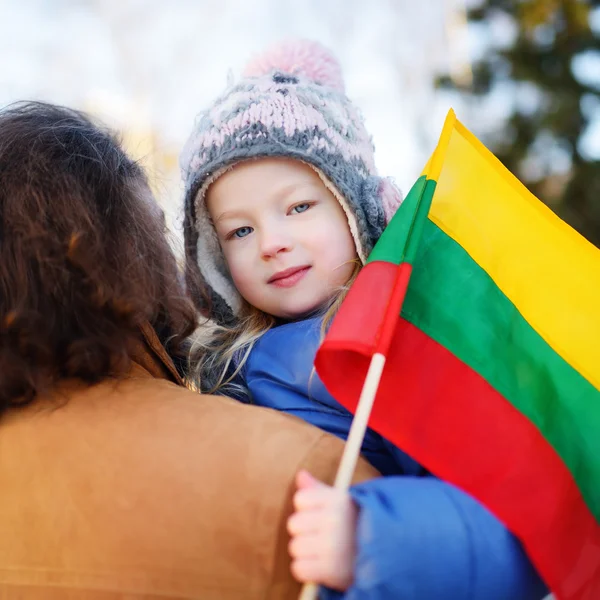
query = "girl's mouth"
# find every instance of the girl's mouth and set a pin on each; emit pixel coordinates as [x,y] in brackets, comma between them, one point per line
[289,277]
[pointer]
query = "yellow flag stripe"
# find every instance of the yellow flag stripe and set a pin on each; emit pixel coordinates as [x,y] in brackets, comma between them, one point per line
[436,161]
[545,268]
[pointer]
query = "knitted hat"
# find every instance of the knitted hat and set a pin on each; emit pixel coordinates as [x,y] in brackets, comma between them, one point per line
[290,103]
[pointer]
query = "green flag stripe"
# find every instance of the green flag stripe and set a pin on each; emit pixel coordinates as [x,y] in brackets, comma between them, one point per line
[394,242]
[455,302]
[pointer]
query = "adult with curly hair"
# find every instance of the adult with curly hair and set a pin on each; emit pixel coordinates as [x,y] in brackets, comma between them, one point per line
[116,481]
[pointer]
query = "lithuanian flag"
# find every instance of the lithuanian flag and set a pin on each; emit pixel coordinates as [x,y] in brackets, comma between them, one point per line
[492,374]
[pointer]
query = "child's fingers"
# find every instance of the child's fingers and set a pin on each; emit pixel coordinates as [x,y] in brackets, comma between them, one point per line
[305,546]
[313,498]
[307,570]
[306,521]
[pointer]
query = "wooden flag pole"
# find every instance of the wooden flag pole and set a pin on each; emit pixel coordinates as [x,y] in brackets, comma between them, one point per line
[358,428]
[352,447]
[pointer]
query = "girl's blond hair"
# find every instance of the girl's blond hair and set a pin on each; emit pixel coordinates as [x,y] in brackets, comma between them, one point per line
[219,353]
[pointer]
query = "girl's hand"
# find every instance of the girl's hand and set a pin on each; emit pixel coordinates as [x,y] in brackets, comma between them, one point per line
[323,530]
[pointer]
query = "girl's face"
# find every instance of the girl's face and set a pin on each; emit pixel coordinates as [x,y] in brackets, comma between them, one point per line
[284,235]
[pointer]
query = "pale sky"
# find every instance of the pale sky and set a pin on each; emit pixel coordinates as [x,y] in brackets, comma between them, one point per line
[147,67]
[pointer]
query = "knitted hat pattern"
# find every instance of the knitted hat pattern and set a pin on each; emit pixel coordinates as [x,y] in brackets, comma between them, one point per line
[289,103]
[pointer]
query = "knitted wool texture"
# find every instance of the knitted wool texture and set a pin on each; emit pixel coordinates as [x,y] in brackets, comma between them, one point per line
[290,103]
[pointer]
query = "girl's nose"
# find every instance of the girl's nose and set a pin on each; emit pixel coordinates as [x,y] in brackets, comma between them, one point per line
[274,243]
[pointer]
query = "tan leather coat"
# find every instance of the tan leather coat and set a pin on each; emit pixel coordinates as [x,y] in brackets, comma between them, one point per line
[140,488]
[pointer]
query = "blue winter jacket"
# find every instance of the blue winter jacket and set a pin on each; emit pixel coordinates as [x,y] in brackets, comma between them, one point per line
[418,538]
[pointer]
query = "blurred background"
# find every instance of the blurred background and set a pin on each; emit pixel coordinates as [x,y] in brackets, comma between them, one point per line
[523,75]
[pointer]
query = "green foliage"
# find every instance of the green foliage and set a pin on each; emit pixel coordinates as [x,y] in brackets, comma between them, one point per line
[540,143]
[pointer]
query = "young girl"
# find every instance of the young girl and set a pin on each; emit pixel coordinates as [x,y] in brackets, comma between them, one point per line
[283,205]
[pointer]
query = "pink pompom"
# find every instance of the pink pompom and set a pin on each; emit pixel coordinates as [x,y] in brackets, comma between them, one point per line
[299,57]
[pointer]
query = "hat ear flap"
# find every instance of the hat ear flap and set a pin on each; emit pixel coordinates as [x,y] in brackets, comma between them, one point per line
[390,197]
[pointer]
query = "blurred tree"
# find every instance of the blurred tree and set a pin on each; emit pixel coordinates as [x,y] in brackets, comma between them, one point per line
[548,71]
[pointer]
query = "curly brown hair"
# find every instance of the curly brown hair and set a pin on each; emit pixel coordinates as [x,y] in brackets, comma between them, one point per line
[84,256]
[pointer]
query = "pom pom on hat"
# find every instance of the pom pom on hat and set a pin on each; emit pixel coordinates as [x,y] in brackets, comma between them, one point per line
[299,57]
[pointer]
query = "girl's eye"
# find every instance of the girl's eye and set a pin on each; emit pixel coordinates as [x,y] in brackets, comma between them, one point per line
[242,232]
[300,208]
